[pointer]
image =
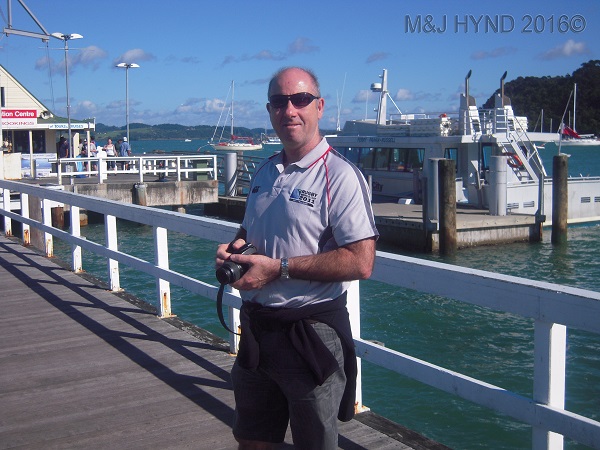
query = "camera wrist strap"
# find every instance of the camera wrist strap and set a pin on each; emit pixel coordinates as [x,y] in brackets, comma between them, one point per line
[220,309]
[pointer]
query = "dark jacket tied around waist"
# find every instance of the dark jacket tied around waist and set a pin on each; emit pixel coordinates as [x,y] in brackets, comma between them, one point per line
[296,322]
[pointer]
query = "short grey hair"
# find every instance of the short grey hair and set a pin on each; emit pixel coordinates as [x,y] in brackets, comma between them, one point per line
[309,72]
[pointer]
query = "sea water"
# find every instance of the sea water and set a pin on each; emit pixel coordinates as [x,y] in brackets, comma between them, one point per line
[492,346]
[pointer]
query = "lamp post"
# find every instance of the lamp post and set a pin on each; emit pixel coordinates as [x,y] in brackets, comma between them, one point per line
[66,38]
[127,66]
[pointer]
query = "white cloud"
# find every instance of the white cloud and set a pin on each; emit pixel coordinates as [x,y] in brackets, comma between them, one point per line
[569,48]
[404,95]
[135,55]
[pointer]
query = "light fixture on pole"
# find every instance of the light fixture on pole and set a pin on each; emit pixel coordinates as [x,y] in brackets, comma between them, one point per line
[66,38]
[127,66]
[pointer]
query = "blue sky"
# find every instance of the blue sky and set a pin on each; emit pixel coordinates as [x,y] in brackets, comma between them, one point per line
[190,50]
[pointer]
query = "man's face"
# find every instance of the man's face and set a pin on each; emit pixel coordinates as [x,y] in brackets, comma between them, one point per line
[297,127]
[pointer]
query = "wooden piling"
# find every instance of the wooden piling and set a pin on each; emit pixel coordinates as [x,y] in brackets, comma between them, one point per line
[560,198]
[447,187]
[58,217]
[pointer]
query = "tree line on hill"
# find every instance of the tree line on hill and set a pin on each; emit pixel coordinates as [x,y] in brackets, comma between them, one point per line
[529,95]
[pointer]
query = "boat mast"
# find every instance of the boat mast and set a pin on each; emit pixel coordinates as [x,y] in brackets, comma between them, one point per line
[574,105]
[382,88]
[232,92]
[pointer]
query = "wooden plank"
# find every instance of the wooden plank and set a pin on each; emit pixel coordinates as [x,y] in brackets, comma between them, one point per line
[82,367]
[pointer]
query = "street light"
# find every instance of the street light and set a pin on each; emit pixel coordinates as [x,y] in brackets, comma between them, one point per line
[66,38]
[127,66]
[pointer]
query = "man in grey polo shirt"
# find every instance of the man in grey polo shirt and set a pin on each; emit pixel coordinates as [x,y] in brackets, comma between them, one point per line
[309,216]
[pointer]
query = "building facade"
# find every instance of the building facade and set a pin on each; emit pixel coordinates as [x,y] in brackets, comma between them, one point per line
[30,131]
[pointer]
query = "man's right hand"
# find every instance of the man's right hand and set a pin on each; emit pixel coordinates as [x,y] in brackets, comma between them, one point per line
[224,251]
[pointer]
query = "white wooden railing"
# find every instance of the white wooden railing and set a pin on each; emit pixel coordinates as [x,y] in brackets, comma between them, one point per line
[181,167]
[552,307]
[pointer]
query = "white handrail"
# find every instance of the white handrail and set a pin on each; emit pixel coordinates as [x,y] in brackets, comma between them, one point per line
[182,166]
[553,307]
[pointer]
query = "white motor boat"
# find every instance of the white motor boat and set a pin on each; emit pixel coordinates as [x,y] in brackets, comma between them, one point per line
[398,153]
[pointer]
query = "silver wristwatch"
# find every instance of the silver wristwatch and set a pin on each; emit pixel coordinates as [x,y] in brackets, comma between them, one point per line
[284,271]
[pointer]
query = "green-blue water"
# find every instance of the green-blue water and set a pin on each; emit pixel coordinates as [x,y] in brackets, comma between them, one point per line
[494,347]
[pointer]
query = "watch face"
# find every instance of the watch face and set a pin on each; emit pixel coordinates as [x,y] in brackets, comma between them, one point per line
[284,268]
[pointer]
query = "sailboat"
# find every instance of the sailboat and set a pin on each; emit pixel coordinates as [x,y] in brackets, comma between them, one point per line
[235,143]
[569,136]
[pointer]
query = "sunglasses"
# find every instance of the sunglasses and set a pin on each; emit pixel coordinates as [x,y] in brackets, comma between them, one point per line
[299,100]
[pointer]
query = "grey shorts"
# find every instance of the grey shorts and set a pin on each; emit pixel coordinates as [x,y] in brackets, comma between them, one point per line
[283,389]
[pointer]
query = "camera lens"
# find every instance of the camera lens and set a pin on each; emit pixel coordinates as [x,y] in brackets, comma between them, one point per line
[229,273]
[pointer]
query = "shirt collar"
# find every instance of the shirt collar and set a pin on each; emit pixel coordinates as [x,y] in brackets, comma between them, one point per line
[309,158]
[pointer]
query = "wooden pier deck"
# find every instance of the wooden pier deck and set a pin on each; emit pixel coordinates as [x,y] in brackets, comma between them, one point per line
[81,367]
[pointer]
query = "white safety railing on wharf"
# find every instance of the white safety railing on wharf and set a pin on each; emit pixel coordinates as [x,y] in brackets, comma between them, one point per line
[181,167]
[552,307]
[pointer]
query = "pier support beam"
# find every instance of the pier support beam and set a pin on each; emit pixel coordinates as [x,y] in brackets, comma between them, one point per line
[447,207]
[498,179]
[139,194]
[230,174]
[560,198]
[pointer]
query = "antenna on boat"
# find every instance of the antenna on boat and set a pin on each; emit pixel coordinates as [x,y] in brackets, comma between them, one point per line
[467,87]
[502,87]
[382,89]
[339,104]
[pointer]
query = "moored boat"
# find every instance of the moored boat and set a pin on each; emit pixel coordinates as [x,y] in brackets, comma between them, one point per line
[569,136]
[398,154]
[269,140]
[234,143]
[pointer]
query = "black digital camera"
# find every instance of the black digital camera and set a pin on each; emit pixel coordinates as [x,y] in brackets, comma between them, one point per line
[231,271]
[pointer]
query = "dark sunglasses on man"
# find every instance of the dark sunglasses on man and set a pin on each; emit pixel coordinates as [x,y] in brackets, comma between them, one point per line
[299,100]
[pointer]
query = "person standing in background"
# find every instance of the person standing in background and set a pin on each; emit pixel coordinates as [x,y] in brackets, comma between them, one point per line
[125,150]
[110,150]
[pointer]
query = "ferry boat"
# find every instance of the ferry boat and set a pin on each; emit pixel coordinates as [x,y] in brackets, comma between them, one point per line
[397,153]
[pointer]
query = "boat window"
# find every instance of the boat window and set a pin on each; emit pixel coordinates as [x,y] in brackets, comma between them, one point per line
[451,153]
[366,158]
[352,153]
[407,159]
[415,159]
[382,158]
[486,153]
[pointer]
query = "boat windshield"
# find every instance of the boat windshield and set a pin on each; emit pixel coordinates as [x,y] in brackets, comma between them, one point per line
[385,159]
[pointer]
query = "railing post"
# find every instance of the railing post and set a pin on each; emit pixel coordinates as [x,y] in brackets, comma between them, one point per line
[25,214]
[59,171]
[6,205]
[233,320]
[161,259]
[140,161]
[550,350]
[102,175]
[178,164]
[353,305]
[110,232]
[47,220]
[76,232]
